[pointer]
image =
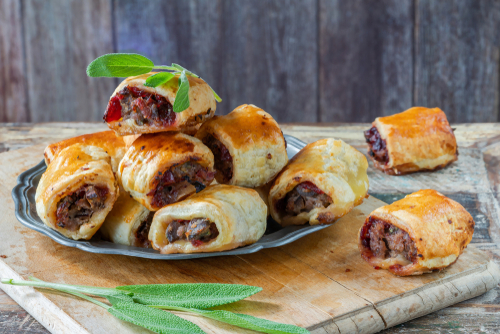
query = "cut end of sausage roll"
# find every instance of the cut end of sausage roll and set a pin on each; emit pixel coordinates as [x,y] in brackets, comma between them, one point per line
[248,146]
[163,168]
[135,108]
[77,191]
[219,218]
[107,140]
[418,139]
[423,232]
[128,223]
[322,183]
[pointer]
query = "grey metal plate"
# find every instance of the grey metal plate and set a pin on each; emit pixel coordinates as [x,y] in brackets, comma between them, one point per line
[24,198]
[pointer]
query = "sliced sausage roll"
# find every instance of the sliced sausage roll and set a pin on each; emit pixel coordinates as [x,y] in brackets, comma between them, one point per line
[128,223]
[417,139]
[323,182]
[422,232]
[77,191]
[134,108]
[163,168]
[219,218]
[248,146]
[107,140]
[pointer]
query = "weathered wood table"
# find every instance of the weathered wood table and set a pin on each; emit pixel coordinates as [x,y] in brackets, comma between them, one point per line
[475,184]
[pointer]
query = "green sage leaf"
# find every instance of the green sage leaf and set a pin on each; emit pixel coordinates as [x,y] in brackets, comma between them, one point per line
[191,295]
[159,79]
[180,69]
[181,101]
[119,65]
[158,321]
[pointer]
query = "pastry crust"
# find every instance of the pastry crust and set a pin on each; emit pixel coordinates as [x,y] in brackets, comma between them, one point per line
[151,155]
[74,167]
[202,106]
[255,142]
[439,227]
[416,139]
[107,140]
[336,168]
[124,220]
[239,214]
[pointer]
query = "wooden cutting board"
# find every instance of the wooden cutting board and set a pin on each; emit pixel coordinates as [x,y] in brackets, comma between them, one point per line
[319,282]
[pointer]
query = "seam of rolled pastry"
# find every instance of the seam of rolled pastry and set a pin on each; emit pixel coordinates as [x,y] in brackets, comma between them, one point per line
[438,227]
[254,141]
[403,136]
[153,160]
[238,213]
[77,168]
[135,108]
[335,168]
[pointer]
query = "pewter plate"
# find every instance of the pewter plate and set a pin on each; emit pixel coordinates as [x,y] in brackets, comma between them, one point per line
[24,198]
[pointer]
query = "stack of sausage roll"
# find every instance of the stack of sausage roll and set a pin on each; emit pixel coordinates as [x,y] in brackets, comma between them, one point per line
[191,181]
[194,182]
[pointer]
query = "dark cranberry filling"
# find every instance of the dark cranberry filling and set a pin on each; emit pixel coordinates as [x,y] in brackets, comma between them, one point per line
[141,106]
[172,182]
[303,198]
[197,231]
[223,160]
[141,235]
[378,149]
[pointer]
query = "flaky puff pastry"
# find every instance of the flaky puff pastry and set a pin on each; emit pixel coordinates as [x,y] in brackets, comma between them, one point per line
[416,139]
[202,106]
[151,155]
[439,227]
[336,168]
[254,141]
[107,140]
[73,168]
[123,223]
[239,214]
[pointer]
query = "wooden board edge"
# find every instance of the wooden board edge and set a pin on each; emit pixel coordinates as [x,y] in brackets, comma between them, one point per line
[53,318]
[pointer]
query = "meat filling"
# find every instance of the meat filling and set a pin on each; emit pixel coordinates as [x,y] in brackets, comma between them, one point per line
[197,231]
[378,148]
[223,159]
[141,235]
[141,106]
[179,181]
[387,241]
[303,198]
[77,208]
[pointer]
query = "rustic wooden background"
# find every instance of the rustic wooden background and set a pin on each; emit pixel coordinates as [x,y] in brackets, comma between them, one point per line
[303,60]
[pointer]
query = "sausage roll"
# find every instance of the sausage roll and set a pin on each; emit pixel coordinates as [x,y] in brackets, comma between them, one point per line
[128,223]
[248,146]
[107,140]
[422,232]
[417,139]
[218,218]
[163,168]
[323,182]
[77,191]
[134,108]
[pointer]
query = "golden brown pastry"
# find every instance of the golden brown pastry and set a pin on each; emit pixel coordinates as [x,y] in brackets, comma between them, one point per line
[77,191]
[218,218]
[163,168]
[248,146]
[107,140]
[422,232]
[134,108]
[417,139]
[323,182]
[128,223]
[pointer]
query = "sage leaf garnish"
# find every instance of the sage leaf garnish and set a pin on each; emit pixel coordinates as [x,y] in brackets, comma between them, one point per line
[119,65]
[181,102]
[159,79]
[198,295]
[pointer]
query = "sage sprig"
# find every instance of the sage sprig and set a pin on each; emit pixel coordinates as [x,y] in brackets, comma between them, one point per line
[142,304]
[121,65]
